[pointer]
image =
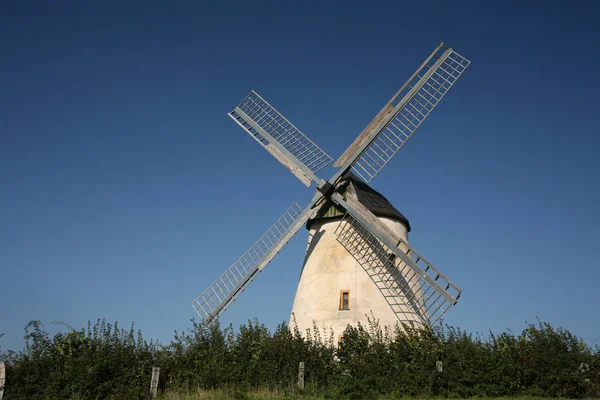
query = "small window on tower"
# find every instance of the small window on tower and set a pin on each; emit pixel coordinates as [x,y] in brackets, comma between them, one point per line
[340,341]
[344,300]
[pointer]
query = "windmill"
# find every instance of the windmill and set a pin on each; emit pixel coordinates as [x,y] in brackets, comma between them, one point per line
[352,227]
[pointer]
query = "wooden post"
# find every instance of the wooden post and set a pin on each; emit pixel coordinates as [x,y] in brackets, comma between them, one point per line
[301,375]
[154,381]
[439,365]
[2,379]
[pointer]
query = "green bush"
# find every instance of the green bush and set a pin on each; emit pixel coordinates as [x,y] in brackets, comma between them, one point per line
[102,362]
[107,362]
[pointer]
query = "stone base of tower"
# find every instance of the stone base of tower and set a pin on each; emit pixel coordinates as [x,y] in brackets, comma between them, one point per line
[330,271]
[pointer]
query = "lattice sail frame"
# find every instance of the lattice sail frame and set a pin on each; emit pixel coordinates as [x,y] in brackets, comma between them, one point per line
[280,129]
[412,299]
[412,105]
[213,301]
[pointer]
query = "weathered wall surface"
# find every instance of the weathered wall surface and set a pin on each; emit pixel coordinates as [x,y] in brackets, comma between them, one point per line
[328,269]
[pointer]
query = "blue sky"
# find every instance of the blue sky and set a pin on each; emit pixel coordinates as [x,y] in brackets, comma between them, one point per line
[126,190]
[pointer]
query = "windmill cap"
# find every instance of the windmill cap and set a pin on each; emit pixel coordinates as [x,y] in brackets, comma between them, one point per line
[369,197]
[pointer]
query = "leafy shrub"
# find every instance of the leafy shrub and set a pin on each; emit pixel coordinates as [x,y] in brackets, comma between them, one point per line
[107,362]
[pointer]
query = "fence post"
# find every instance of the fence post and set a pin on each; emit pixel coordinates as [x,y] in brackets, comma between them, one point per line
[2,379]
[301,375]
[153,381]
[439,365]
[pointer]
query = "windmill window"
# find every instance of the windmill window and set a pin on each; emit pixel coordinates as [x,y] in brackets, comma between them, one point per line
[344,300]
[340,341]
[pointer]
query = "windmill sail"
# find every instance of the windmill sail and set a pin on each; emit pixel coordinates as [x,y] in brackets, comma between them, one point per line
[414,289]
[411,285]
[280,137]
[403,114]
[222,292]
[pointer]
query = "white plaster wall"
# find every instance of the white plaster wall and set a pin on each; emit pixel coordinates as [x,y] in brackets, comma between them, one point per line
[330,268]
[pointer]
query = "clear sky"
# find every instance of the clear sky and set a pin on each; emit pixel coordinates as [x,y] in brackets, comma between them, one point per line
[126,190]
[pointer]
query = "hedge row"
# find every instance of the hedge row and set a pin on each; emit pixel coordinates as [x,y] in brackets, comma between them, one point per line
[105,361]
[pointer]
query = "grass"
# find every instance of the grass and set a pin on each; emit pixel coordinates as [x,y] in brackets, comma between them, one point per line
[225,394]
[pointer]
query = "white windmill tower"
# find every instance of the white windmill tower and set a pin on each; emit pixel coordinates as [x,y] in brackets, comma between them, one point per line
[358,257]
[335,290]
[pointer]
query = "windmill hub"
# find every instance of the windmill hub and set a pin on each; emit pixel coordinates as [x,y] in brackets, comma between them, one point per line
[327,189]
[358,260]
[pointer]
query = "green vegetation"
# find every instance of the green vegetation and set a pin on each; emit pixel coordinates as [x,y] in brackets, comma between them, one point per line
[228,394]
[220,394]
[208,362]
